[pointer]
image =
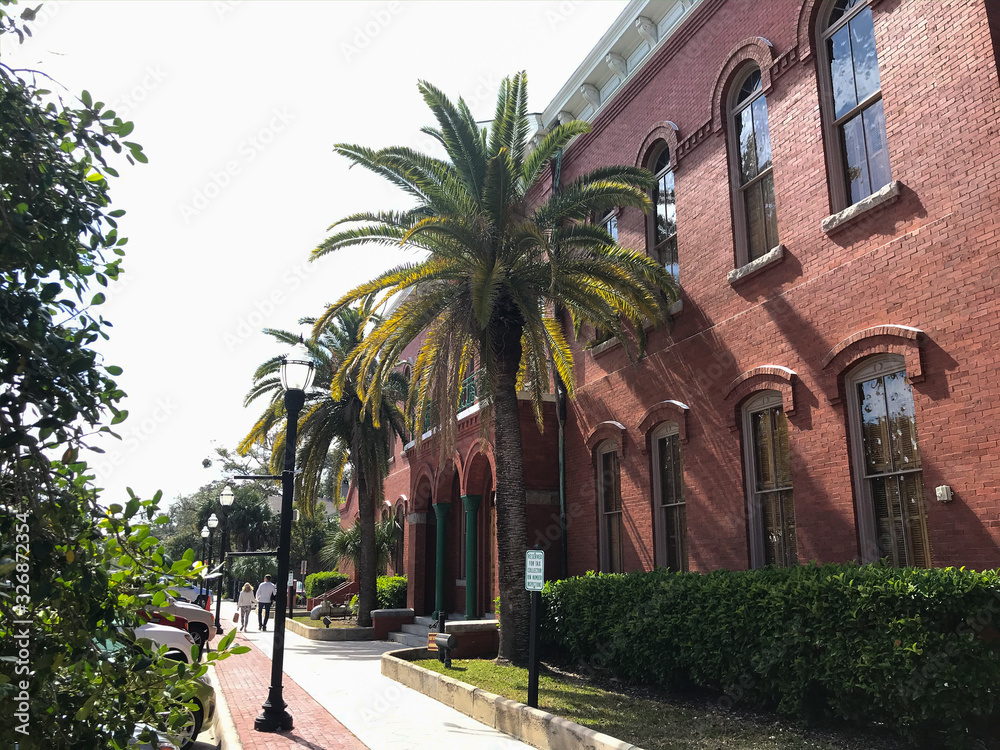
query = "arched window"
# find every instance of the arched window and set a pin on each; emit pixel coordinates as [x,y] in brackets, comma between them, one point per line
[768,468]
[663,221]
[888,472]
[852,102]
[398,561]
[669,513]
[755,217]
[609,504]
[610,224]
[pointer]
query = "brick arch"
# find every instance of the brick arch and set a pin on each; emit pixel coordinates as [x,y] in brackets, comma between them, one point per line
[422,486]
[479,461]
[663,132]
[665,411]
[884,339]
[755,49]
[764,378]
[609,430]
[402,501]
[444,478]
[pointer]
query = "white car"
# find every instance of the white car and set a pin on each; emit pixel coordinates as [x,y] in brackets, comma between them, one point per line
[201,622]
[178,642]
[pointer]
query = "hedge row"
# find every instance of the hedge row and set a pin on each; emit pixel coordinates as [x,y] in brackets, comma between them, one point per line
[391,592]
[320,583]
[913,649]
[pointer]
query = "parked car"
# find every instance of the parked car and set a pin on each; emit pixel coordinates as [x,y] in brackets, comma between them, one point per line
[200,595]
[179,643]
[200,622]
[158,618]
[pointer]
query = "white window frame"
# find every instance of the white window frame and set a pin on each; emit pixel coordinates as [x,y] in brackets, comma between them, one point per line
[880,365]
[840,195]
[665,430]
[609,446]
[755,524]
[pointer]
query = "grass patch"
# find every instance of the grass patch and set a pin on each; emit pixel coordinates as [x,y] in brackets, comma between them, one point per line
[334,623]
[650,723]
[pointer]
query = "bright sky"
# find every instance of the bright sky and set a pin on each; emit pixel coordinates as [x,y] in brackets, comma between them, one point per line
[237,105]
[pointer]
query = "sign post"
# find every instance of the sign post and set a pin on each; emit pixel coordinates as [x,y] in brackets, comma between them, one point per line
[534,581]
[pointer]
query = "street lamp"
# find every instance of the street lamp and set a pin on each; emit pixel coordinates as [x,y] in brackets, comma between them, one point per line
[225,500]
[204,581]
[213,521]
[297,371]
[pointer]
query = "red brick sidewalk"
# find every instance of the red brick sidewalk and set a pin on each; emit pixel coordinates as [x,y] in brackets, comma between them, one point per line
[244,680]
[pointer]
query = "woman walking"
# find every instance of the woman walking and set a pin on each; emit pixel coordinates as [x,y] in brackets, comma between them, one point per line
[246,602]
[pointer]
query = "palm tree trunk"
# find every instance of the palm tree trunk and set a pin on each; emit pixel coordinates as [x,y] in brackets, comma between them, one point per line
[512,526]
[367,595]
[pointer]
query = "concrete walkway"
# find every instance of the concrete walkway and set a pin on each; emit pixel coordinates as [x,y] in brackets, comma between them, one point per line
[345,678]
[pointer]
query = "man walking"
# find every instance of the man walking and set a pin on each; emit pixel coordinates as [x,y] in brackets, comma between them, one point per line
[265,597]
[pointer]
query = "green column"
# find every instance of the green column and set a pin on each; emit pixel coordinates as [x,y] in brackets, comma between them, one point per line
[441,511]
[471,503]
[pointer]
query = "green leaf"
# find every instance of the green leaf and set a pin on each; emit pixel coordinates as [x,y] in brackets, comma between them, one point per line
[85,97]
[113,370]
[98,299]
[87,707]
[95,177]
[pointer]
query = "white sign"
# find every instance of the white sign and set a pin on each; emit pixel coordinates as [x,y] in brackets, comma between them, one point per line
[290,580]
[534,570]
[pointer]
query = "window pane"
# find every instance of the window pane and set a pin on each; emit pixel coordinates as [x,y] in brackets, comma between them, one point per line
[670,484]
[856,158]
[842,73]
[750,85]
[782,459]
[790,551]
[611,227]
[763,449]
[609,482]
[675,530]
[770,213]
[770,515]
[875,142]
[747,146]
[667,255]
[841,7]
[756,232]
[763,134]
[874,434]
[866,78]
[902,426]
[891,537]
[667,208]
[613,529]
[912,502]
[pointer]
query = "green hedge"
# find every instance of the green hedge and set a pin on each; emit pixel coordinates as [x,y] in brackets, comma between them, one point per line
[914,649]
[320,583]
[391,592]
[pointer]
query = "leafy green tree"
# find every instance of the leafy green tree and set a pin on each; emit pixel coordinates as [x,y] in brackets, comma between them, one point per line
[497,259]
[345,544]
[342,430]
[71,568]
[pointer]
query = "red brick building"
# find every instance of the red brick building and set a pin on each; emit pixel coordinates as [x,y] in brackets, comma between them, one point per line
[827,197]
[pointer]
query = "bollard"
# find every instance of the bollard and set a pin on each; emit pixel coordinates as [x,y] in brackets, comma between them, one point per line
[445,644]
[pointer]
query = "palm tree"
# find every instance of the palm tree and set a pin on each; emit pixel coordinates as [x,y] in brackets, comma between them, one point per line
[345,544]
[496,262]
[338,428]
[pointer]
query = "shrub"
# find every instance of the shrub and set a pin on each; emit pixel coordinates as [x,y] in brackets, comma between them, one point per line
[320,583]
[391,592]
[915,649]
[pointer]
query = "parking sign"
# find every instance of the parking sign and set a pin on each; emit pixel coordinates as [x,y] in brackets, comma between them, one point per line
[534,570]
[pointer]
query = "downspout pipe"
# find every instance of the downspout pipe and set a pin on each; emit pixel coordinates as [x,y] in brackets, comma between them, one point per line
[561,414]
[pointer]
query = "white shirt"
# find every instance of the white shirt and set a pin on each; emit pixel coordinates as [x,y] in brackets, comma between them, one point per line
[266,592]
[246,599]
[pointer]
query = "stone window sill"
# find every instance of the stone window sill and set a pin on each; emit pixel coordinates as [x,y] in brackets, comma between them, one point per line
[756,266]
[842,219]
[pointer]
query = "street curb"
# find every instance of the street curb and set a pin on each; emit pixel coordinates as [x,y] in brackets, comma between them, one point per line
[530,725]
[229,737]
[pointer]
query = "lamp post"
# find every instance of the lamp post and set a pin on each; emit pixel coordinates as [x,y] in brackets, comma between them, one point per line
[297,371]
[225,500]
[204,581]
[213,521]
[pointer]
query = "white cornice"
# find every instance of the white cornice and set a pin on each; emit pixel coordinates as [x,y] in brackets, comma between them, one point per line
[624,40]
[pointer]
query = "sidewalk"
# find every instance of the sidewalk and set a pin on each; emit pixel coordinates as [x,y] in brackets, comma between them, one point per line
[244,680]
[337,695]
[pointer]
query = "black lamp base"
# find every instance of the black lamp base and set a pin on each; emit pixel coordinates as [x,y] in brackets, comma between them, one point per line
[275,716]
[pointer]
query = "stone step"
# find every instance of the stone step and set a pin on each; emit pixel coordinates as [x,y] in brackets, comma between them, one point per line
[415,629]
[408,639]
[425,621]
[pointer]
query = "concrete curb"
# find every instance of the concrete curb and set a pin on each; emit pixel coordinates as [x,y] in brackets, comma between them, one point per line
[229,738]
[530,725]
[330,634]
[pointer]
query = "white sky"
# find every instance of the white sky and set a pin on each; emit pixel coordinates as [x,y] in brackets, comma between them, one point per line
[237,105]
